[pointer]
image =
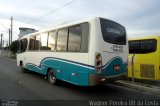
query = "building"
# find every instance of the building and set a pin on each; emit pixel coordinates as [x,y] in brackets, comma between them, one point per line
[25,31]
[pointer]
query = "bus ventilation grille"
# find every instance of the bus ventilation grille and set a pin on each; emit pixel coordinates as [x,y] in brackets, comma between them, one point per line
[147,71]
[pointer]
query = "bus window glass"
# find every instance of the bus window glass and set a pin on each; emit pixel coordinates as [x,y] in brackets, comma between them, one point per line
[37,43]
[51,40]
[142,46]
[85,37]
[62,39]
[34,43]
[74,43]
[44,39]
[23,45]
[31,43]
[113,32]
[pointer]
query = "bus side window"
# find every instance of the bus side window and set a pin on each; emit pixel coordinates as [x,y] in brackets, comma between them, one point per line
[51,40]
[34,42]
[23,45]
[37,43]
[44,41]
[85,37]
[62,40]
[75,35]
[31,43]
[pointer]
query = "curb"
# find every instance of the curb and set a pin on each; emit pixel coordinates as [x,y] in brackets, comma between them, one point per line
[7,58]
[143,87]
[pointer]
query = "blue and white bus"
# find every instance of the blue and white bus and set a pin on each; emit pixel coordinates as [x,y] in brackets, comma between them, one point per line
[86,53]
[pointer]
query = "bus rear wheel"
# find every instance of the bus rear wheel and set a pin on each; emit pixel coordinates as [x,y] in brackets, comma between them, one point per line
[52,77]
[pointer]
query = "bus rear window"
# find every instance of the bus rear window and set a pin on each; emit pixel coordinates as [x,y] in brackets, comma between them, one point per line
[142,46]
[113,32]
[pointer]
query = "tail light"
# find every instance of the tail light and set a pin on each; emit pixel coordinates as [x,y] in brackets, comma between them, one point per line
[116,67]
[98,63]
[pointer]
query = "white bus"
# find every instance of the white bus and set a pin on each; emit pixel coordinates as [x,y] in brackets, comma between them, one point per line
[86,53]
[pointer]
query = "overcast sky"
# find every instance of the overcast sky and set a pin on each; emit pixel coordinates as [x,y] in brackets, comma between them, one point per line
[140,17]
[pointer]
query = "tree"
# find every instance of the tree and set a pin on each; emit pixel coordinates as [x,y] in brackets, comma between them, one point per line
[14,46]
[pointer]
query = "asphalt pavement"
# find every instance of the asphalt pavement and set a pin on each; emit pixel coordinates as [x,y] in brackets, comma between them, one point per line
[15,85]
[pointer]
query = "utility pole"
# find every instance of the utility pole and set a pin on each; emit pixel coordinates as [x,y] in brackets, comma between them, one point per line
[9,38]
[1,43]
[1,40]
[133,68]
[11,28]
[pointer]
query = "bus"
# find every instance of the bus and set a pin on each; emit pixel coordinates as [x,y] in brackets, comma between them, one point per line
[144,58]
[88,52]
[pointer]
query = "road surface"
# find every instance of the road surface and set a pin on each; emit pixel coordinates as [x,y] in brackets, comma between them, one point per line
[15,85]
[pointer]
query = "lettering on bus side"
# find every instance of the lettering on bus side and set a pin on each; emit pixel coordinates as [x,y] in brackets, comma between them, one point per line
[117,48]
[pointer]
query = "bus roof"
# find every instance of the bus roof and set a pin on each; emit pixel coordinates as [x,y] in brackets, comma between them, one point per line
[65,25]
[145,37]
[62,25]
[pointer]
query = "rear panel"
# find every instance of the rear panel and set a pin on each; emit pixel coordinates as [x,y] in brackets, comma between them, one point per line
[109,49]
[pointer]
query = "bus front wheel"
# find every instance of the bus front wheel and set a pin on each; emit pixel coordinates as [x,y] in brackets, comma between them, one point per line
[22,67]
[52,77]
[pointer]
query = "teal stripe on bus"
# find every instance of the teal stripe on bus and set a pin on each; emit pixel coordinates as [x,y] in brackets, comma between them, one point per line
[64,69]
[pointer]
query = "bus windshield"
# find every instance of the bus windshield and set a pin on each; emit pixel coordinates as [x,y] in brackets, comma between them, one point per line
[113,32]
[142,46]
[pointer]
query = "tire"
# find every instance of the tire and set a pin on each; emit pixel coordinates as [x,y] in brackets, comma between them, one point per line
[52,77]
[22,68]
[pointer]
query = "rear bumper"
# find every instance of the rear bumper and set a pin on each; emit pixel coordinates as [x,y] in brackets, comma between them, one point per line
[95,79]
[116,77]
